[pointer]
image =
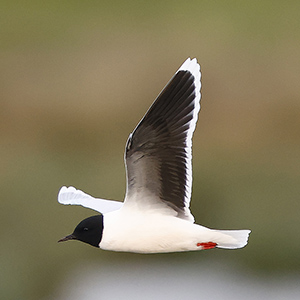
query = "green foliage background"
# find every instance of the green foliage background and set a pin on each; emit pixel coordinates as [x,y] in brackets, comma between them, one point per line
[77,76]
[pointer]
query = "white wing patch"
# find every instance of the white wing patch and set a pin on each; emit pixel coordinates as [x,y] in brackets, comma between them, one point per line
[70,195]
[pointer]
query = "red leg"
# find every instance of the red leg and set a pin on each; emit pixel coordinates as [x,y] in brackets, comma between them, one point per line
[208,245]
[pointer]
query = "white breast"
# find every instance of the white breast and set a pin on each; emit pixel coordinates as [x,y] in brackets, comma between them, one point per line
[149,233]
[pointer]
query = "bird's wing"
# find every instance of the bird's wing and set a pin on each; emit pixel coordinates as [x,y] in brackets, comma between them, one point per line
[158,152]
[70,195]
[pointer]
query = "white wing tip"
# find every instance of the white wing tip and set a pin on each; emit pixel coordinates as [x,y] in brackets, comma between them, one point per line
[192,66]
[70,195]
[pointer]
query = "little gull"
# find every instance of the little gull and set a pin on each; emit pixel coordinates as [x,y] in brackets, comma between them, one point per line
[155,215]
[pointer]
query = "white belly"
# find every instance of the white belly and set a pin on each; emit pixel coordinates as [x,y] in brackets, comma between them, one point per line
[151,233]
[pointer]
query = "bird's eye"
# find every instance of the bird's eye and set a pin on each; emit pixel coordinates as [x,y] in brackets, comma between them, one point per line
[85,229]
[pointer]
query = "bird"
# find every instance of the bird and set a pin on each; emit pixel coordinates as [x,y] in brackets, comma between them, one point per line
[155,216]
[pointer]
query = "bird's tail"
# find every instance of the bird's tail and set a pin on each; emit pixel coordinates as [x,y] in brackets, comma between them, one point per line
[233,239]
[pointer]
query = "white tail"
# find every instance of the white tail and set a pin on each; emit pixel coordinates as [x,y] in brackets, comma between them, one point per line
[233,239]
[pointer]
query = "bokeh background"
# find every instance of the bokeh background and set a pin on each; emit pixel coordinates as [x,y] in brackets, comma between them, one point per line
[77,76]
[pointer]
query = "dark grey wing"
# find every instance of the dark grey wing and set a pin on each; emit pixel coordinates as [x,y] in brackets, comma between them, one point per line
[159,151]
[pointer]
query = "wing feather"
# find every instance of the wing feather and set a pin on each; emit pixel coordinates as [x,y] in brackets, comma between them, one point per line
[70,195]
[159,151]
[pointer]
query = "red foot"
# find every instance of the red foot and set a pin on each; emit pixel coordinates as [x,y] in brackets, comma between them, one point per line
[208,245]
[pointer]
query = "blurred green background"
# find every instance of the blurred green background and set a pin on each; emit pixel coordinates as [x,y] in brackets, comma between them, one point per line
[77,76]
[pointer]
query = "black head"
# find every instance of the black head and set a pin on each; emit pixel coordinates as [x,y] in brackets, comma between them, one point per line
[88,231]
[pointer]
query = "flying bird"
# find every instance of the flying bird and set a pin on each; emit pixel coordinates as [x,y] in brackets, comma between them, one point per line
[155,215]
